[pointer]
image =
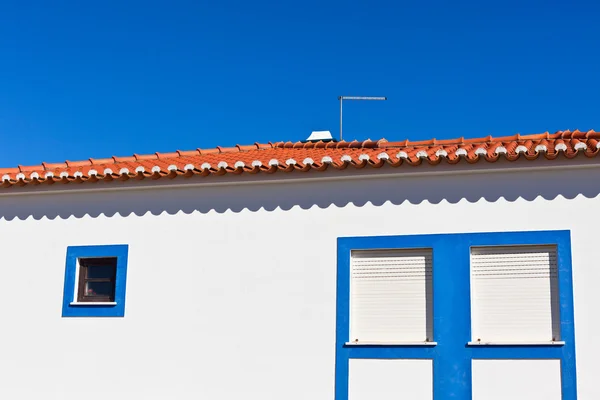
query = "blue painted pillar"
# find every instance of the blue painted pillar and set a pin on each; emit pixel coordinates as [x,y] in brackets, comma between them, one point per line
[451,320]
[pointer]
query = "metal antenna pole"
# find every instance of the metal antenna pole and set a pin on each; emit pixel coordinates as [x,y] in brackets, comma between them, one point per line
[342,98]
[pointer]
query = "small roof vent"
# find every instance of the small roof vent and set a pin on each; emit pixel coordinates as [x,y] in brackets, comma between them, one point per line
[324,136]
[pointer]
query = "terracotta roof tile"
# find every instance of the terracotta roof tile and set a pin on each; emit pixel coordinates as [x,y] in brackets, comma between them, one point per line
[306,156]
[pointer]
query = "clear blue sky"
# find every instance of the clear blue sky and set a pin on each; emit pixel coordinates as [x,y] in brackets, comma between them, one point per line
[82,79]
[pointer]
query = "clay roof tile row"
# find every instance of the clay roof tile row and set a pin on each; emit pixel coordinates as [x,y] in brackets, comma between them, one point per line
[306,156]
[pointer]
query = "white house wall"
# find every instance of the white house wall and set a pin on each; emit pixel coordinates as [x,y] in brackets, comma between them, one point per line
[231,290]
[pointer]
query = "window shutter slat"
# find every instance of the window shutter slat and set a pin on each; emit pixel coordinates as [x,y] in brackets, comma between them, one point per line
[514,294]
[390,297]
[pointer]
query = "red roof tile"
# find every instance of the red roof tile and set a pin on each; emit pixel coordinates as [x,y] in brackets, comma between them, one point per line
[306,156]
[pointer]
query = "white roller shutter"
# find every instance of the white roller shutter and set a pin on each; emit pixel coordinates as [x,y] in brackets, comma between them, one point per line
[514,294]
[391,296]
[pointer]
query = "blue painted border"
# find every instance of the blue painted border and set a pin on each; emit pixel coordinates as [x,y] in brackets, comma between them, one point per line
[120,251]
[451,357]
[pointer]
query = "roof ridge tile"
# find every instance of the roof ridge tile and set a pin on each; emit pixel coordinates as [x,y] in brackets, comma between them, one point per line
[285,157]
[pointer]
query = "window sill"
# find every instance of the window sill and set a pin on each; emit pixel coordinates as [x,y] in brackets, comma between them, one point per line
[390,343]
[554,343]
[90,303]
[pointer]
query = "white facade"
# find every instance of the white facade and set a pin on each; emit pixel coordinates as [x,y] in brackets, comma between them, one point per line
[231,281]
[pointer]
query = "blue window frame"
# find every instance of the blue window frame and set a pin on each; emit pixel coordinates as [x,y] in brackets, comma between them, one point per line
[73,309]
[451,357]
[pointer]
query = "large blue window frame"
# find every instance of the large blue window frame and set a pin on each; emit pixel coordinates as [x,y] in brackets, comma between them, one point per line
[120,252]
[452,357]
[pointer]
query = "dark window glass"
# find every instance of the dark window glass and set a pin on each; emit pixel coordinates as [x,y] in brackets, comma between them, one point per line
[99,288]
[100,272]
[97,280]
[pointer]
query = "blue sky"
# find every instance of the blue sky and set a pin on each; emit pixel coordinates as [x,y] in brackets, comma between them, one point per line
[82,79]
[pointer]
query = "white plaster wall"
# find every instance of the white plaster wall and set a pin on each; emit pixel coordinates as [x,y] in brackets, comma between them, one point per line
[390,379]
[516,380]
[231,289]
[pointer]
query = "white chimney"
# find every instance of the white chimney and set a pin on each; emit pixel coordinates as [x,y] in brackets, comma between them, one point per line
[315,136]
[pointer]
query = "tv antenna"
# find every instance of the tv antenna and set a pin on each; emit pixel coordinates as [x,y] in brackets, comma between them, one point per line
[342,98]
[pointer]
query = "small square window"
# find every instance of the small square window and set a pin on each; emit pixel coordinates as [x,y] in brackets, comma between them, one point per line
[95,281]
